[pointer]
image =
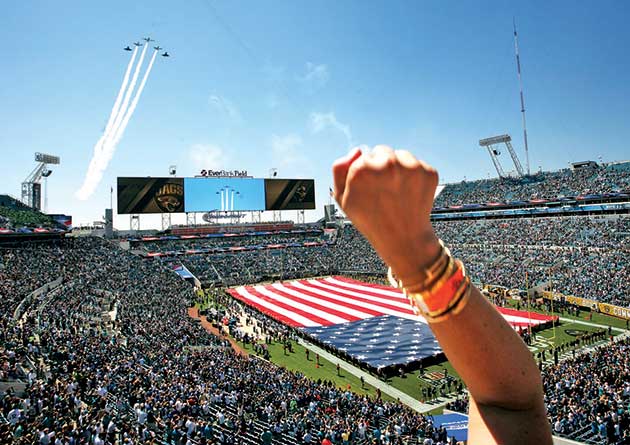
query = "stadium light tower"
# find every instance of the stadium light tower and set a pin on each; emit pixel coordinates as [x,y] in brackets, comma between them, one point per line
[32,187]
[491,143]
[520,84]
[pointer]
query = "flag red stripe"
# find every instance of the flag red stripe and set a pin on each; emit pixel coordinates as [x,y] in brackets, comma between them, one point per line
[286,320]
[314,293]
[514,312]
[295,310]
[340,291]
[362,283]
[314,305]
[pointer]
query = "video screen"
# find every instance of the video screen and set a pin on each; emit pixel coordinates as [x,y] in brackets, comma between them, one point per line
[224,194]
[150,195]
[290,194]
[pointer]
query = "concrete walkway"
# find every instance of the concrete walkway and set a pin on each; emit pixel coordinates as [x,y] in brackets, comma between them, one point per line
[376,382]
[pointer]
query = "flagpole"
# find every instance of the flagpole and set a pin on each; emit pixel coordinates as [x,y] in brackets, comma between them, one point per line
[529,313]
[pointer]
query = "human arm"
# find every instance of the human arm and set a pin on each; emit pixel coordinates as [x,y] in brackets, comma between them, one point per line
[388,195]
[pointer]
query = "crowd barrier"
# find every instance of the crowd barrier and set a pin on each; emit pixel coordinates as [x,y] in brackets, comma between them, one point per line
[33,295]
[604,308]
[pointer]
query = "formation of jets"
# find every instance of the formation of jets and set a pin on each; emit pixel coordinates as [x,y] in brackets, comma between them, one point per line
[148,40]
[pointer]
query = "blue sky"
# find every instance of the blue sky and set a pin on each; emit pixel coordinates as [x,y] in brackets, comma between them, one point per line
[292,84]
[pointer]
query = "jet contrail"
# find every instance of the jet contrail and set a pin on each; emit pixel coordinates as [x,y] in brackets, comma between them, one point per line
[120,131]
[126,100]
[116,108]
[112,117]
[104,149]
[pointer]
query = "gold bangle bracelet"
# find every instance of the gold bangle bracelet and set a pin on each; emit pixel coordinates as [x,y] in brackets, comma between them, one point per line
[426,276]
[431,297]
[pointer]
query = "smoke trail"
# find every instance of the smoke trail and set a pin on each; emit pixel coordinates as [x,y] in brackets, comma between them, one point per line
[132,107]
[110,122]
[103,151]
[125,104]
[116,108]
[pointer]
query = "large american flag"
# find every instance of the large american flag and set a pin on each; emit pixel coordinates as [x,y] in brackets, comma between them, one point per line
[372,323]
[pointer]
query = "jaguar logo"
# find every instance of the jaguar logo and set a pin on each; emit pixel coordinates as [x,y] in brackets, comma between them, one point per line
[170,198]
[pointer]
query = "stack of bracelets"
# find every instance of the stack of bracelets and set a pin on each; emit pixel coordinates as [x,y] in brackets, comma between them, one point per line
[442,290]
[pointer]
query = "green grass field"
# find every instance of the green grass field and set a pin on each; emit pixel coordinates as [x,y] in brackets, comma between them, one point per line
[296,361]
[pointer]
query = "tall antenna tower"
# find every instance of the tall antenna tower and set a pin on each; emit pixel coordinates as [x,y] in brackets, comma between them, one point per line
[520,83]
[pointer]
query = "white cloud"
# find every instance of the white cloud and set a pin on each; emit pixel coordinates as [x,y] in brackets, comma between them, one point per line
[225,106]
[207,156]
[286,150]
[319,122]
[316,75]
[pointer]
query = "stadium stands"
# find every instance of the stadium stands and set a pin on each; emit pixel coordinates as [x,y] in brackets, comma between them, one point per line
[544,185]
[582,256]
[111,356]
[588,397]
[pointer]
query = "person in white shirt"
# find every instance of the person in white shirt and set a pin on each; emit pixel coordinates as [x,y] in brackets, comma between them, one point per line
[191,427]
[14,416]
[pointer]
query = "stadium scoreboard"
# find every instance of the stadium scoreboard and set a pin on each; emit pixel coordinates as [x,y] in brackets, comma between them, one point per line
[138,195]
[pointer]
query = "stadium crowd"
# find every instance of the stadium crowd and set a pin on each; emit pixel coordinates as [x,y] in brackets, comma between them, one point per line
[15,215]
[587,396]
[543,185]
[112,357]
[581,256]
[591,394]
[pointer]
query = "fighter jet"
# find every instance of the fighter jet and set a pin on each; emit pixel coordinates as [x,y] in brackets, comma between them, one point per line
[166,54]
[148,39]
[126,48]
[157,48]
[137,43]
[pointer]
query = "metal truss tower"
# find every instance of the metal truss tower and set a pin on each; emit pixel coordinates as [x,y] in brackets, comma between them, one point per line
[491,145]
[32,186]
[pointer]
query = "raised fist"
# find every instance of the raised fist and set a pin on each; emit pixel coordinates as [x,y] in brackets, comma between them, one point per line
[388,195]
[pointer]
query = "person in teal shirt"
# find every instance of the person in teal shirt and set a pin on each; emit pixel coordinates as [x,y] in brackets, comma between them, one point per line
[266,437]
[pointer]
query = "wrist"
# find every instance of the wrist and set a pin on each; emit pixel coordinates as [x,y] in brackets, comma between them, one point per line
[417,257]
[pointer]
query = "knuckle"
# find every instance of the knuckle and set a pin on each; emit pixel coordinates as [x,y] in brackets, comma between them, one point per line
[433,175]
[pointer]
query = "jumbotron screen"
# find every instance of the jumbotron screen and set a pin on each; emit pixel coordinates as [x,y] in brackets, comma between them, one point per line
[290,194]
[150,195]
[224,194]
[207,194]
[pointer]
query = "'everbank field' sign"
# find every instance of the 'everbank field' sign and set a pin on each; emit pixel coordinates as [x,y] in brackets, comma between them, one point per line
[224,174]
